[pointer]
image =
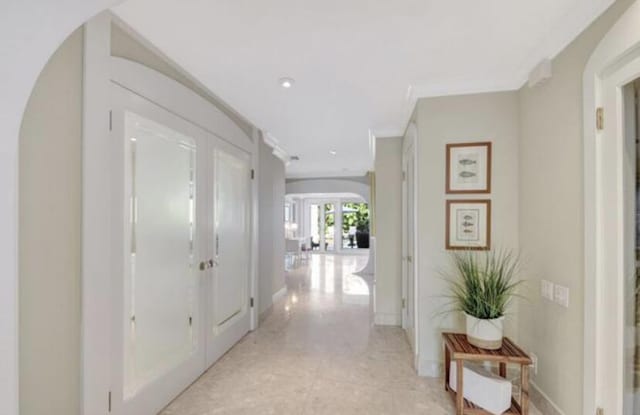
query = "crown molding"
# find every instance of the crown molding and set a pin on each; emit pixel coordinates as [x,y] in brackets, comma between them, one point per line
[277,150]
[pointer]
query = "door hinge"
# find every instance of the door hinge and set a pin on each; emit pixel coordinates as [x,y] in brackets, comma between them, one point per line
[110,120]
[251,302]
[404,303]
[600,118]
[253,174]
[190,321]
[109,401]
[404,176]
[599,411]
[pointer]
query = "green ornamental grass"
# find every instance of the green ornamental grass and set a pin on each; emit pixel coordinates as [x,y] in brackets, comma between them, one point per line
[483,283]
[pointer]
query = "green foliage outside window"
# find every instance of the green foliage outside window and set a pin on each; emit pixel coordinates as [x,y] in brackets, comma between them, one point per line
[358,218]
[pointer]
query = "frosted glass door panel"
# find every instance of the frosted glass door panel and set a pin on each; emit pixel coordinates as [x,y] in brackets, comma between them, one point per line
[160,285]
[231,236]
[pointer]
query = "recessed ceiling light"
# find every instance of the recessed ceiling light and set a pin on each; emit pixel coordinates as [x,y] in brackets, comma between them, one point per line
[286,82]
[333,152]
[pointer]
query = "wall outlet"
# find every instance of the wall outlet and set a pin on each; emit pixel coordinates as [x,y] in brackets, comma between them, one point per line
[561,295]
[534,363]
[546,290]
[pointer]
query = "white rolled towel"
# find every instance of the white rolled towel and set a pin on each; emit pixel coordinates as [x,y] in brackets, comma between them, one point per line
[482,387]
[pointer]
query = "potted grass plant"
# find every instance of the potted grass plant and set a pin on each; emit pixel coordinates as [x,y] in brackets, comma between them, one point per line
[482,284]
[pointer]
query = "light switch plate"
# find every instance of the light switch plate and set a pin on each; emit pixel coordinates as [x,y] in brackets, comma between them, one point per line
[561,295]
[546,290]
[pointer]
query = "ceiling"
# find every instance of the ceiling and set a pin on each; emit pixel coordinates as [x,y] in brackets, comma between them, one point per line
[358,65]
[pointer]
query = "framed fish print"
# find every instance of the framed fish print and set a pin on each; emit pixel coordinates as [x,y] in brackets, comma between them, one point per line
[468,224]
[469,168]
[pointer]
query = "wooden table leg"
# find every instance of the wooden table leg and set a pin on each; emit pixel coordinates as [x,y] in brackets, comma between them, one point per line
[524,389]
[447,367]
[503,370]
[459,388]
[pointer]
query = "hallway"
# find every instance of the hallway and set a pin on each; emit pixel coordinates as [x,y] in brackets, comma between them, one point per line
[317,353]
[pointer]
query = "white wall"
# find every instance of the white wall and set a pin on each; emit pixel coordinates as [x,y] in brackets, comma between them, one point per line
[388,217]
[49,251]
[551,214]
[271,190]
[482,117]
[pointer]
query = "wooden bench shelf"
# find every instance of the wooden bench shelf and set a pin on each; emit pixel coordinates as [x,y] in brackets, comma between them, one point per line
[458,349]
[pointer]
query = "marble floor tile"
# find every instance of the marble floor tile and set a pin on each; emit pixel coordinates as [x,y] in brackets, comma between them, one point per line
[318,353]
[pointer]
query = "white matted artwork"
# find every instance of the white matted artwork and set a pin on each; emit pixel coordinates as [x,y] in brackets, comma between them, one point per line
[469,168]
[468,224]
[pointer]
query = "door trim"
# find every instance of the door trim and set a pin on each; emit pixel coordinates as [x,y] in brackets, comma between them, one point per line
[175,98]
[410,141]
[96,204]
[617,50]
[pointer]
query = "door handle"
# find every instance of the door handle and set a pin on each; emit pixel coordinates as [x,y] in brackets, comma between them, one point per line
[205,265]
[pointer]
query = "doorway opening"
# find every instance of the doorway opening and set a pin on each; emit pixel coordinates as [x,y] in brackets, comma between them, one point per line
[328,222]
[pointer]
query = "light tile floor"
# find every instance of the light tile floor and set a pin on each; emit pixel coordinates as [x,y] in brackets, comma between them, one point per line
[318,353]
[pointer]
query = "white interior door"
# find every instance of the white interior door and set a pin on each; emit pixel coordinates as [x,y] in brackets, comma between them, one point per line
[181,250]
[228,317]
[408,216]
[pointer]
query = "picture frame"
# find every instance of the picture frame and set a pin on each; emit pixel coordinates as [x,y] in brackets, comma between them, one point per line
[468,225]
[468,168]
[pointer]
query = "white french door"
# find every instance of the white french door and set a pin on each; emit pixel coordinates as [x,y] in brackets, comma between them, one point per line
[180,247]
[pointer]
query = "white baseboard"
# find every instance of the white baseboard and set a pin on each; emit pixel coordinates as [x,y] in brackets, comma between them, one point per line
[542,401]
[263,316]
[387,319]
[278,295]
[429,368]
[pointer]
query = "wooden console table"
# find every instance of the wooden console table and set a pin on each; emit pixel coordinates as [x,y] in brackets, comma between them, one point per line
[457,348]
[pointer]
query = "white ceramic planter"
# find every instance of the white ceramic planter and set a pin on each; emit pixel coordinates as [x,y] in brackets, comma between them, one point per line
[486,334]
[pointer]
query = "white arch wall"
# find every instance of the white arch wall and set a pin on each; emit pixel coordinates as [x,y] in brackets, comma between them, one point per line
[30,31]
[328,186]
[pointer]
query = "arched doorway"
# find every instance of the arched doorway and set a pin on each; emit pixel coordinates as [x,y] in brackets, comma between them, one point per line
[30,32]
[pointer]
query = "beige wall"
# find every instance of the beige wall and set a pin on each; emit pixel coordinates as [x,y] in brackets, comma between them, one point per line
[483,117]
[49,232]
[537,207]
[271,189]
[388,204]
[552,215]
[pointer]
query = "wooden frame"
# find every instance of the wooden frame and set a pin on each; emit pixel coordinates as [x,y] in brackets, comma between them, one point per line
[485,245]
[485,170]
